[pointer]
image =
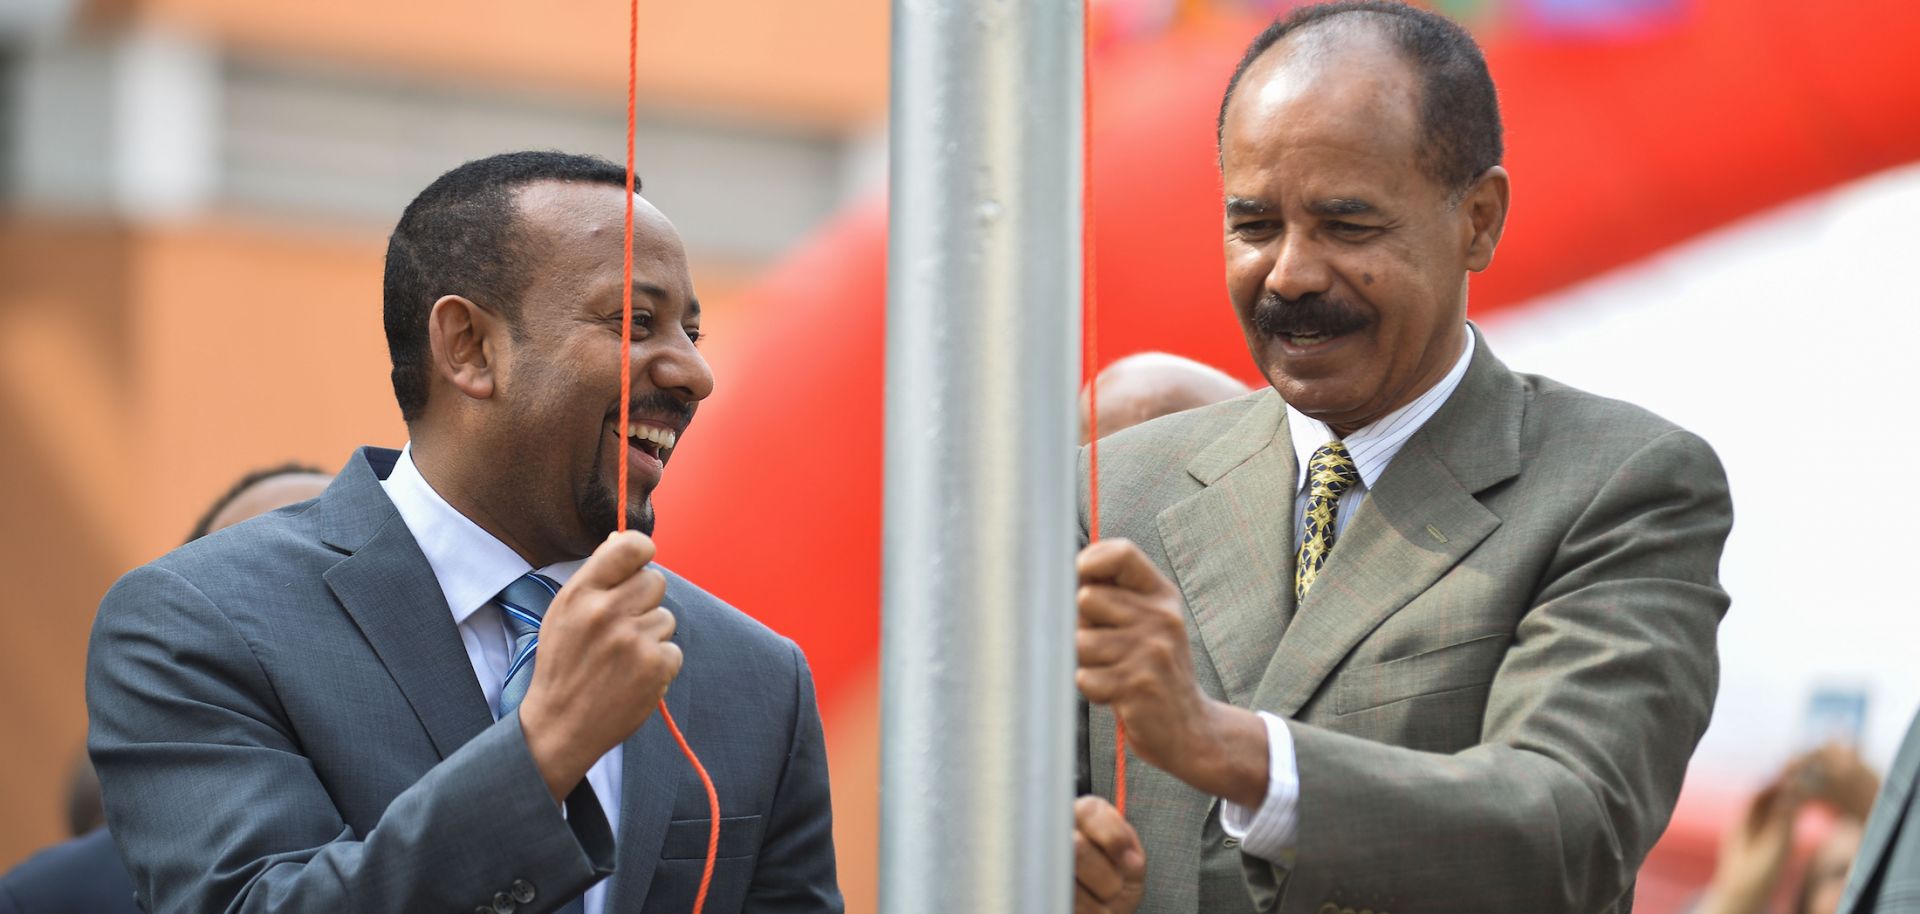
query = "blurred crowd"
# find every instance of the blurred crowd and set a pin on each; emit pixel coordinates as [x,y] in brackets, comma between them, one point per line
[1757,858]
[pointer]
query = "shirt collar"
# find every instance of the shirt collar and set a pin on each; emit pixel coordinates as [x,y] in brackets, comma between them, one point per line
[471,565]
[1375,445]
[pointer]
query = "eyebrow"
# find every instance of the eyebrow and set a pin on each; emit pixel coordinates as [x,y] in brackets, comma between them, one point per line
[1243,206]
[642,287]
[1340,206]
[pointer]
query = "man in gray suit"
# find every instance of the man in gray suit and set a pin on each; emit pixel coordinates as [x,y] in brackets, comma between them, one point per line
[431,689]
[1886,875]
[1408,631]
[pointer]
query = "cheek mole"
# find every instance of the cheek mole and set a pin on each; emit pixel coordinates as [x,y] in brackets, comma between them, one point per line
[1367,278]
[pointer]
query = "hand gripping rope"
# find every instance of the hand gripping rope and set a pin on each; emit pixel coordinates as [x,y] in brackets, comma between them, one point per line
[626,404]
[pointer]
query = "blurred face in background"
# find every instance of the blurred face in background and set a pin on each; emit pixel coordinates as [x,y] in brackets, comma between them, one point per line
[1346,261]
[270,493]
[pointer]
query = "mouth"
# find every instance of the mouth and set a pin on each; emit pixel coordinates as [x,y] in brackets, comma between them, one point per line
[1308,340]
[1314,341]
[649,444]
[656,442]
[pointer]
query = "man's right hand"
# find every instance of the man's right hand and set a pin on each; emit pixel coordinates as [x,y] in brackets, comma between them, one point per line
[1109,866]
[605,659]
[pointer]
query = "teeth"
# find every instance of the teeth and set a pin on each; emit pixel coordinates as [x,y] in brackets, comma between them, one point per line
[664,438]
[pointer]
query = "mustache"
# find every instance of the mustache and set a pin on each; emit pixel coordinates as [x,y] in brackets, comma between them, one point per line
[1312,314]
[662,405]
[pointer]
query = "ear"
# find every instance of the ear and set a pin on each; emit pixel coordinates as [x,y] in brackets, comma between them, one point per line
[465,340]
[1486,210]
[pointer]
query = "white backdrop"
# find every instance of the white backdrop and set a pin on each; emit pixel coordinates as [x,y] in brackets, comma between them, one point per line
[1791,342]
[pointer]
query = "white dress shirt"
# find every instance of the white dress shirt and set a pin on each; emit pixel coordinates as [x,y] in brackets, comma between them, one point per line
[473,567]
[1271,831]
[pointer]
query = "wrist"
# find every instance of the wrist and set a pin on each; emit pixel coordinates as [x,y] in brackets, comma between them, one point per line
[1232,759]
[552,752]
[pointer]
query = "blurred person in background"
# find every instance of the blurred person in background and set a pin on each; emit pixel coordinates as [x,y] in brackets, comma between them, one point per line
[1148,385]
[428,691]
[1755,853]
[86,873]
[259,492]
[1408,631]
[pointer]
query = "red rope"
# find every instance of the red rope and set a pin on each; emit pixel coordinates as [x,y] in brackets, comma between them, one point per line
[1090,333]
[713,809]
[626,404]
[626,269]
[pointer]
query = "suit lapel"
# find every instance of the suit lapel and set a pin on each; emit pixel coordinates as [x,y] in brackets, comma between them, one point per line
[1229,546]
[651,771]
[1885,821]
[1413,527]
[389,589]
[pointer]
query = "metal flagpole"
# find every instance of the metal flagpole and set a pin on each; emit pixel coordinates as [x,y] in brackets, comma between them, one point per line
[983,322]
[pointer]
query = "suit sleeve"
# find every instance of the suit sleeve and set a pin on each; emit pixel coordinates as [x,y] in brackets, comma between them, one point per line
[215,807]
[1082,718]
[1589,723]
[795,872]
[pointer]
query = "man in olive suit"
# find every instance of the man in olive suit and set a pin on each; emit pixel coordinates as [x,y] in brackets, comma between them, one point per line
[1407,630]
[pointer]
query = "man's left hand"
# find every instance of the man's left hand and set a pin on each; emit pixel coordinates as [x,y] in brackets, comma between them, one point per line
[1134,656]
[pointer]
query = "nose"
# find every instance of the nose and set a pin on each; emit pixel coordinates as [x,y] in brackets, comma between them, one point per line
[680,369]
[1299,266]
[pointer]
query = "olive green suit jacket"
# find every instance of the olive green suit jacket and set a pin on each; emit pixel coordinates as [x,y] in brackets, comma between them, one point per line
[1496,682]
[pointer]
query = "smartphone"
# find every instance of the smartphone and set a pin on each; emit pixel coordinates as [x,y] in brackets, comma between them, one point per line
[1835,714]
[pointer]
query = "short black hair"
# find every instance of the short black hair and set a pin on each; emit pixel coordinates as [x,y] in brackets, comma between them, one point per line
[461,236]
[244,483]
[1459,110]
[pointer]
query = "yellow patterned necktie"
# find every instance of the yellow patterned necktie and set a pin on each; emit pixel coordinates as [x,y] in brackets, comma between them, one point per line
[1329,475]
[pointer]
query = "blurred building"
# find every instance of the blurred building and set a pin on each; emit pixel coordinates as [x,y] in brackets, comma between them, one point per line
[196,198]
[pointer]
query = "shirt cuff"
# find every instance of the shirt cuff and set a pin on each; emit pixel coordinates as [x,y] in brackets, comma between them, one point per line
[1270,831]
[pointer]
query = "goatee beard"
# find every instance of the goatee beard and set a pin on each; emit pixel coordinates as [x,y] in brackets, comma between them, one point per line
[597,509]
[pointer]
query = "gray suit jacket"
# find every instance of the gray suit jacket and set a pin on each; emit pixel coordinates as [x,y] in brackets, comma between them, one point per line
[283,718]
[1886,874]
[1498,678]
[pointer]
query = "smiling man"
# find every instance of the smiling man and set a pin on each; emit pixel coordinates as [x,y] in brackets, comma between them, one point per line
[433,688]
[1407,631]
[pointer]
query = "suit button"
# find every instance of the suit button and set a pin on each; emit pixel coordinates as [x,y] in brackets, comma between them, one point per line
[483,909]
[522,891]
[503,903]
[1329,908]
[1230,842]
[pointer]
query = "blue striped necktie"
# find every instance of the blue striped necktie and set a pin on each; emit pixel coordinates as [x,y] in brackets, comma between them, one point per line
[523,604]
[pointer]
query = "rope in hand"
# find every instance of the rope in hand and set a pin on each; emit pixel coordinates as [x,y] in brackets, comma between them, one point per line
[1090,343]
[626,405]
